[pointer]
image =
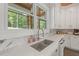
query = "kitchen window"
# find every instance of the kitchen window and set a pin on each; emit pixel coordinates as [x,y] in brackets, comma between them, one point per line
[20,20]
[16,19]
[41,14]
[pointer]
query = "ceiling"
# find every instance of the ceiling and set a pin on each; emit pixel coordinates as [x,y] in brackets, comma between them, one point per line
[65,4]
[61,4]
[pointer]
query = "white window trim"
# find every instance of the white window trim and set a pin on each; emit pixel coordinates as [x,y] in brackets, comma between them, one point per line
[22,11]
[17,20]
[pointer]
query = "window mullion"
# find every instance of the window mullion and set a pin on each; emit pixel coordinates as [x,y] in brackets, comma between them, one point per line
[17,20]
[26,20]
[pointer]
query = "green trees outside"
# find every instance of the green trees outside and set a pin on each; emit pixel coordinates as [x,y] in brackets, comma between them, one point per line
[16,20]
[22,21]
[42,24]
[12,22]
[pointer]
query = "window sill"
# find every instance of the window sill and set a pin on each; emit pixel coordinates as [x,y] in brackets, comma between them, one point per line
[11,28]
[16,33]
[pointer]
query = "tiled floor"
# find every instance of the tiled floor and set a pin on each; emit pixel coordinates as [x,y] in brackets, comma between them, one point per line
[70,52]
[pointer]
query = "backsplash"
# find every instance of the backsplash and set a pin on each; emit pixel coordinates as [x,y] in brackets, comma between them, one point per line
[66,31]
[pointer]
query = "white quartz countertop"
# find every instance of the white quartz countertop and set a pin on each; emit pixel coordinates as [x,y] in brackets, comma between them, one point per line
[29,51]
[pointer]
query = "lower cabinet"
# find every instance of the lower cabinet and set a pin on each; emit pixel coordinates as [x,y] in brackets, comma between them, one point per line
[56,52]
[75,43]
[72,42]
[59,51]
[68,42]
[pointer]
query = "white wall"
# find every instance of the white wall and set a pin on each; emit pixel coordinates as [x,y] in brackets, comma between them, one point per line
[3,16]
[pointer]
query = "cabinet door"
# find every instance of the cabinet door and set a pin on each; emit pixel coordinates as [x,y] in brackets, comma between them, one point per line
[68,42]
[72,42]
[57,18]
[68,19]
[62,19]
[55,53]
[52,17]
[77,18]
[75,43]
[73,17]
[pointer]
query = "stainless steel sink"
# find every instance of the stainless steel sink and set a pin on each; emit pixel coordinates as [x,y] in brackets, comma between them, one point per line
[41,45]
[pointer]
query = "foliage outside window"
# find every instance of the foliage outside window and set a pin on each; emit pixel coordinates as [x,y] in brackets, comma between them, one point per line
[12,19]
[16,20]
[22,21]
[42,24]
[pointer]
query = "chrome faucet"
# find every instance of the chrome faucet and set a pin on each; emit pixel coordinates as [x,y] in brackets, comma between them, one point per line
[40,34]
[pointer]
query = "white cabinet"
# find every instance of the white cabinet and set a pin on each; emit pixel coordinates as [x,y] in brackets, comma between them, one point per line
[77,18]
[57,19]
[61,47]
[73,17]
[67,42]
[75,43]
[59,50]
[72,42]
[65,18]
[55,49]
[55,53]
[62,19]
[52,17]
[68,17]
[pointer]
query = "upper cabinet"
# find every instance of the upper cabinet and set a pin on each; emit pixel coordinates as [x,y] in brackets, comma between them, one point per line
[66,18]
[77,17]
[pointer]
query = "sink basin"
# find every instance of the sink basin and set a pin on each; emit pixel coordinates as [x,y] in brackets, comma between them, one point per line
[41,45]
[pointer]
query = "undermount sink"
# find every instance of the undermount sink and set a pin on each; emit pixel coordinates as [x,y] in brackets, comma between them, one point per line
[41,45]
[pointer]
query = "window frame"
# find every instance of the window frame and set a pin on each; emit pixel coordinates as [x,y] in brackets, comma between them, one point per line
[45,16]
[40,19]
[18,11]
[17,18]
